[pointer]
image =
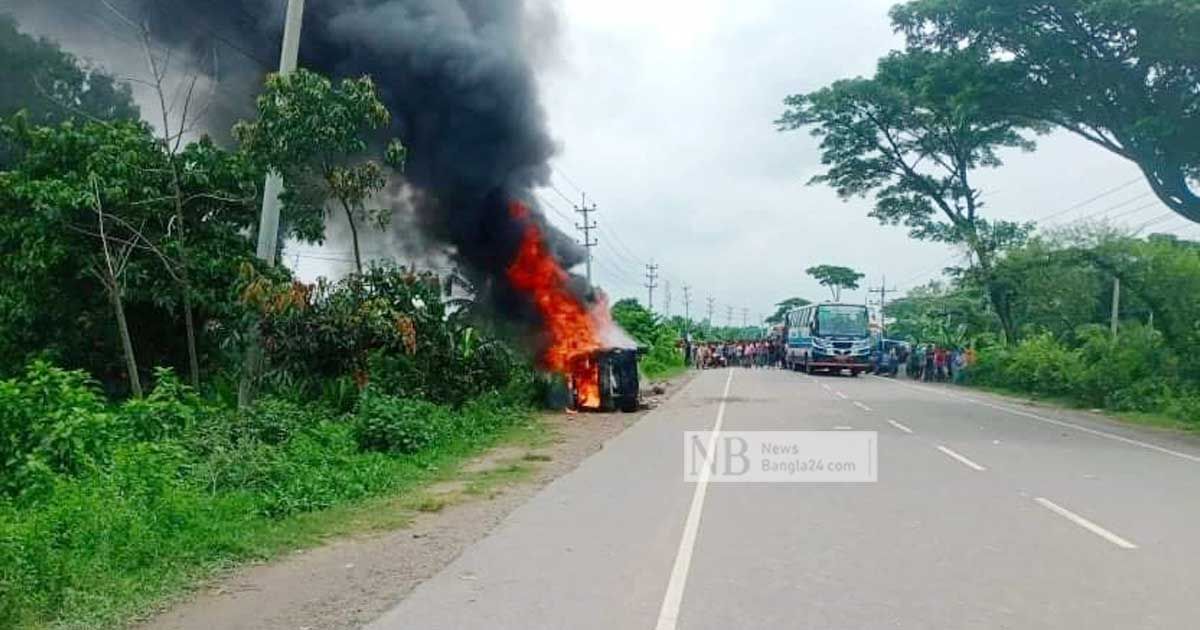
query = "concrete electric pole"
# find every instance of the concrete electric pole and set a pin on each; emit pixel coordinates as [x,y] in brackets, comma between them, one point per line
[651,276]
[268,222]
[587,227]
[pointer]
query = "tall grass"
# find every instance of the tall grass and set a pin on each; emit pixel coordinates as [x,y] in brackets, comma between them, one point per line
[105,526]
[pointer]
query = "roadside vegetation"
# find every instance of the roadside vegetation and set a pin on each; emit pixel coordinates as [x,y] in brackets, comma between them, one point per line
[658,336]
[169,404]
[978,79]
[1061,290]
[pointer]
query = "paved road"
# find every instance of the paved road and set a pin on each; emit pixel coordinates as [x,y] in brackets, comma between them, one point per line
[987,514]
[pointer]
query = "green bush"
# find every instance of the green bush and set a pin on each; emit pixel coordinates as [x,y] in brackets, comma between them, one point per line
[1042,365]
[52,422]
[172,409]
[1132,372]
[399,425]
[1136,371]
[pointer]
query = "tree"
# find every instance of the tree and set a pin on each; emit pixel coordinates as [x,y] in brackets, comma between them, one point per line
[836,278]
[50,300]
[52,86]
[913,135]
[316,135]
[1123,75]
[781,308]
[637,320]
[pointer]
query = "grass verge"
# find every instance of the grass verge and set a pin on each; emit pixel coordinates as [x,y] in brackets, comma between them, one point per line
[114,546]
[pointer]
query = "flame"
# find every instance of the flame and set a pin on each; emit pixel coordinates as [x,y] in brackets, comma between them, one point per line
[571,330]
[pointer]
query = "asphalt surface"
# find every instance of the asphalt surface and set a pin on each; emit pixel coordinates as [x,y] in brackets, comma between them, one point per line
[987,514]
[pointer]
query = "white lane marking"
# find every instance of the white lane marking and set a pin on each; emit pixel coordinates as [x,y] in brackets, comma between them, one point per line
[843,428]
[963,460]
[825,387]
[668,615]
[1061,423]
[841,395]
[1084,523]
[899,426]
[861,406]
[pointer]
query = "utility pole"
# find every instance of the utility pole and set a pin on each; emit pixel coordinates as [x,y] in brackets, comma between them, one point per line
[268,223]
[745,317]
[729,316]
[882,290]
[712,302]
[587,227]
[651,276]
[687,307]
[667,298]
[1116,305]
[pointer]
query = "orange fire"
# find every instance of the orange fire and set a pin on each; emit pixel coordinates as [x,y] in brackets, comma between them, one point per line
[571,337]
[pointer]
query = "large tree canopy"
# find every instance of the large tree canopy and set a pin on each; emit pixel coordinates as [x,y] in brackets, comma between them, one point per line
[836,278]
[782,307]
[1123,74]
[913,136]
[52,86]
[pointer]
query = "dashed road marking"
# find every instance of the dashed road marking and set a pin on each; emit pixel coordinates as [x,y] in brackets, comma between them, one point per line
[1061,423]
[963,460]
[1084,523]
[899,426]
[841,395]
[861,406]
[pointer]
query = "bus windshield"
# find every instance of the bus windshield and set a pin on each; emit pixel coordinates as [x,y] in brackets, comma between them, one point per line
[838,320]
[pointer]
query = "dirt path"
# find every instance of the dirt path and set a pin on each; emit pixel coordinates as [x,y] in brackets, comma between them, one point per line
[350,582]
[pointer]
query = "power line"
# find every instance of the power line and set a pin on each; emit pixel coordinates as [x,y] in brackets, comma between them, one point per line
[560,194]
[554,208]
[1085,202]
[569,181]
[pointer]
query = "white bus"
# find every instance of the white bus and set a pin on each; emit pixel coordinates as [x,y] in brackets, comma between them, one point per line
[832,337]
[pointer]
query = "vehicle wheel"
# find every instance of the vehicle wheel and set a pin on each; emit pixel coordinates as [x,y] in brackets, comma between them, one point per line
[854,373]
[628,404]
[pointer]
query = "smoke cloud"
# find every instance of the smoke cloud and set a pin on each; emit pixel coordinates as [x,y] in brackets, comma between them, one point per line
[457,75]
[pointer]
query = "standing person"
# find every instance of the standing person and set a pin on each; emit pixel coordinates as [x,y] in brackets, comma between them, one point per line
[927,373]
[960,364]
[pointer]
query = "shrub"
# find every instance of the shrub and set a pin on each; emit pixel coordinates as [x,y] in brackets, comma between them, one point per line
[1041,365]
[275,420]
[1133,372]
[169,411]
[1184,406]
[52,422]
[399,425]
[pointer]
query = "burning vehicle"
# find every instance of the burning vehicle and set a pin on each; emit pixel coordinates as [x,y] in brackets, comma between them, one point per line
[580,342]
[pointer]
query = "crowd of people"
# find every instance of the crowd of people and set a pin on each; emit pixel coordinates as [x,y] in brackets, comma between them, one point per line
[934,363]
[924,362]
[749,354]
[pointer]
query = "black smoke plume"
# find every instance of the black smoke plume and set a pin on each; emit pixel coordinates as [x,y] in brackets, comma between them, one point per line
[457,75]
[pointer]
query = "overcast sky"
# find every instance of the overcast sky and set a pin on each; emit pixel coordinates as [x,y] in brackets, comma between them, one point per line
[664,110]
